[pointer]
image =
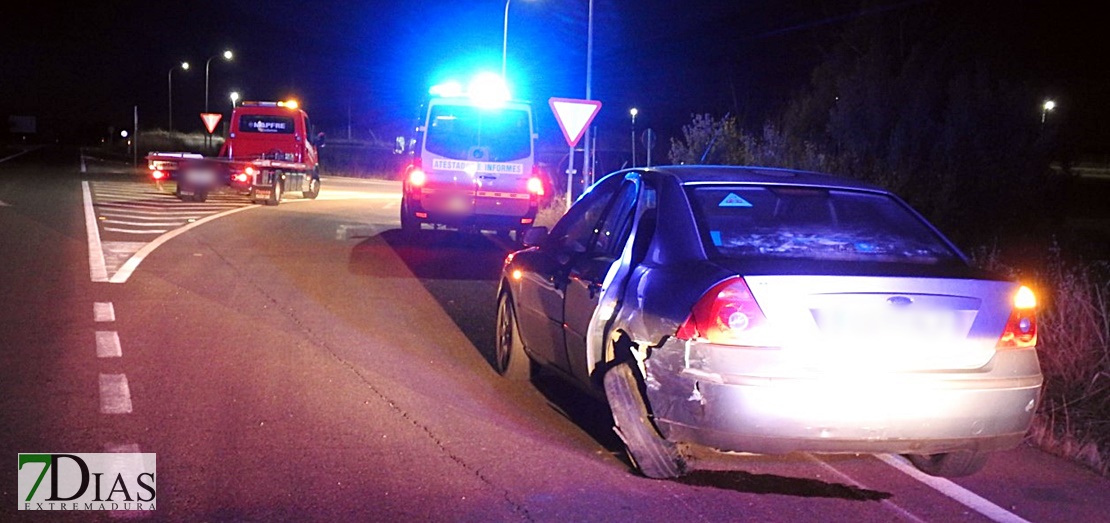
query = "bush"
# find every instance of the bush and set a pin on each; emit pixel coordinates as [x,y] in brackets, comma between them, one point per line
[1073,335]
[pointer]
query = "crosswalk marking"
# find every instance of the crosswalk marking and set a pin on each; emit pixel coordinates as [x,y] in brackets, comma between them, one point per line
[131,215]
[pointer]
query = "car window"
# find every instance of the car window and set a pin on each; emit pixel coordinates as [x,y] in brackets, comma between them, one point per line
[614,228]
[575,230]
[811,223]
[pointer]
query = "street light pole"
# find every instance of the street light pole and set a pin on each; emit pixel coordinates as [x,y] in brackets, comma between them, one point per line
[588,154]
[634,112]
[169,80]
[505,39]
[207,64]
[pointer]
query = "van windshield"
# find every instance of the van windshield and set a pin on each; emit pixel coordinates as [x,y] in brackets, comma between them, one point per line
[499,135]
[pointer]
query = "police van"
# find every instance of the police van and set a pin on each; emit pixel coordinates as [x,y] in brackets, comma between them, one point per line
[472,165]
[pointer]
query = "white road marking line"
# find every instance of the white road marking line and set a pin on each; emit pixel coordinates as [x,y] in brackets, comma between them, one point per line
[107,344]
[155,207]
[143,224]
[133,216]
[104,311]
[966,497]
[20,153]
[361,230]
[97,271]
[132,466]
[83,168]
[115,394]
[133,262]
[122,448]
[185,215]
[886,502]
[3,203]
[131,231]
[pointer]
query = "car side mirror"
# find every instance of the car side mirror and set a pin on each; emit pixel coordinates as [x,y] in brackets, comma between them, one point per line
[534,236]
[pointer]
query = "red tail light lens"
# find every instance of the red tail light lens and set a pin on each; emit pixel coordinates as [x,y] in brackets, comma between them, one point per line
[241,177]
[1021,327]
[158,175]
[729,315]
[535,186]
[417,178]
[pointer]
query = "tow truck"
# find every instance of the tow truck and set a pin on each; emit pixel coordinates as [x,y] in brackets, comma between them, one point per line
[268,152]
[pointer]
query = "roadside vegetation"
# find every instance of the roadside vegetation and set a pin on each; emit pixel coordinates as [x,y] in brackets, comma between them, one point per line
[896,104]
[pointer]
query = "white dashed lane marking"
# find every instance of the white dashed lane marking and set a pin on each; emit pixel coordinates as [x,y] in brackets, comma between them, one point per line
[107,344]
[104,311]
[115,394]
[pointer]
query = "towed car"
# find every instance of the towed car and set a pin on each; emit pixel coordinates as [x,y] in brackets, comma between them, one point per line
[747,309]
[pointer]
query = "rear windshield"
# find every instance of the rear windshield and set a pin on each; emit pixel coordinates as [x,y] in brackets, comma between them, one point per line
[500,134]
[817,224]
[264,124]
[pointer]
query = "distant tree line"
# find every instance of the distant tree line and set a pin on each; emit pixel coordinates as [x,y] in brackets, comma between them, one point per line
[920,106]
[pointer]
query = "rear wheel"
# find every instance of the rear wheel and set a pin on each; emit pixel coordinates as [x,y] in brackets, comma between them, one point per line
[409,225]
[950,464]
[275,192]
[510,359]
[313,188]
[200,196]
[184,192]
[653,455]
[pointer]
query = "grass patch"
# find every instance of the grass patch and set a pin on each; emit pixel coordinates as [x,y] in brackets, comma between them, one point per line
[1073,419]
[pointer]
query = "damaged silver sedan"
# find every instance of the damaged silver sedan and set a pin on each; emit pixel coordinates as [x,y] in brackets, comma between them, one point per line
[771,311]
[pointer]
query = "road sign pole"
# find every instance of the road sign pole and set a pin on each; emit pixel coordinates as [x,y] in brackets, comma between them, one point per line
[570,177]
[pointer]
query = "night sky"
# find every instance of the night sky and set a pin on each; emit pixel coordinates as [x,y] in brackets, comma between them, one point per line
[87,64]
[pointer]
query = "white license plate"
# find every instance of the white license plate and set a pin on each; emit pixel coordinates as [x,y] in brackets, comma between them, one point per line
[200,176]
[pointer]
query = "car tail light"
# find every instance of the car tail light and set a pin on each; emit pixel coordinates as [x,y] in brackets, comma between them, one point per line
[158,175]
[1021,327]
[535,186]
[417,178]
[729,315]
[241,177]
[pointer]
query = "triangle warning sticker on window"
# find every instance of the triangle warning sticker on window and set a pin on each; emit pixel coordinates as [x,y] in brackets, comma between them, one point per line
[734,200]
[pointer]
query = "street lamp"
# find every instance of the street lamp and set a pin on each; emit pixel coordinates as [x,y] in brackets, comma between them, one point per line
[234,98]
[1048,106]
[634,112]
[207,64]
[169,80]
[505,39]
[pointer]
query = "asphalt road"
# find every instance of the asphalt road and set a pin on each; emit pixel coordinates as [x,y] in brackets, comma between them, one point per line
[304,362]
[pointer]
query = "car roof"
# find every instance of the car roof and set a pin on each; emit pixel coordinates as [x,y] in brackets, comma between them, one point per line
[694,174]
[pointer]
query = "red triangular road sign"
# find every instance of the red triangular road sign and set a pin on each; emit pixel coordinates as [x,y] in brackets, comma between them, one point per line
[574,116]
[211,120]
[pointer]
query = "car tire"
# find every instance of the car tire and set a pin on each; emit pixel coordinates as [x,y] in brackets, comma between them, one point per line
[409,225]
[313,188]
[950,464]
[509,357]
[200,196]
[275,192]
[180,193]
[654,456]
